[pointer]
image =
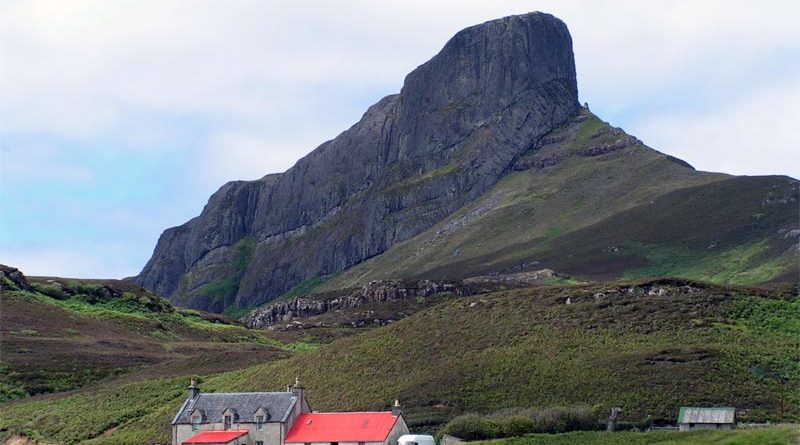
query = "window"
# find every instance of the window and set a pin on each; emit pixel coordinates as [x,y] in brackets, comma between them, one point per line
[258,442]
[227,423]
[196,421]
[260,423]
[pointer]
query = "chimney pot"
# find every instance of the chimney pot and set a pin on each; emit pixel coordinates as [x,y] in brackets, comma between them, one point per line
[192,390]
[396,409]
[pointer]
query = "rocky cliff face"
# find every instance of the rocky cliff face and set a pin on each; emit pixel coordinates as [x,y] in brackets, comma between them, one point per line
[11,278]
[380,291]
[459,123]
[375,292]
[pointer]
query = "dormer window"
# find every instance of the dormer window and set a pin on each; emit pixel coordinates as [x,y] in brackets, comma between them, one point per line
[197,416]
[229,417]
[261,417]
[260,423]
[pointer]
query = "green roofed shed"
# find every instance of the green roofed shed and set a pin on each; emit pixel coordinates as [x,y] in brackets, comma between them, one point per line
[692,418]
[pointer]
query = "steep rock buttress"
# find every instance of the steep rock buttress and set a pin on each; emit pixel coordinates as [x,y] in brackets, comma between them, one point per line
[456,127]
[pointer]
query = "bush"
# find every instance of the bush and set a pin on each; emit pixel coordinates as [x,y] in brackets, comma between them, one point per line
[513,422]
[472,427]
[89,292]
[51,290]
[517,426]
[560,420]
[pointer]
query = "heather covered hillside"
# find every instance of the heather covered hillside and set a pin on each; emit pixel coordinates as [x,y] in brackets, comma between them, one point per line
[648,346]
[60,334]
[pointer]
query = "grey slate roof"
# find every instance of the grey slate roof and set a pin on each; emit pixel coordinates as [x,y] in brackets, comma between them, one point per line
[706,415]
[279,404]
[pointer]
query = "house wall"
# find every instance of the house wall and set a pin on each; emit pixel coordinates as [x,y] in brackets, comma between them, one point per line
[297,409]
[272,434]
[399,429]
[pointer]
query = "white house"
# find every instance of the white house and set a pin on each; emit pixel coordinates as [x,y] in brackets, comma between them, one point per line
[277,418]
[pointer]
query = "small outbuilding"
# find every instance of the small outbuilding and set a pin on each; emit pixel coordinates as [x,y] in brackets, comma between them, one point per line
[718,418]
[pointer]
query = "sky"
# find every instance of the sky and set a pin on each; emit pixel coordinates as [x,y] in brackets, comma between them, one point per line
[119,118]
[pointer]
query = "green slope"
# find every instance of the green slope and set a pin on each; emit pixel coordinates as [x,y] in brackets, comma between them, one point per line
[568,198]
[767,436]
[738,230]
[59,335]
[693,344]
[649,347]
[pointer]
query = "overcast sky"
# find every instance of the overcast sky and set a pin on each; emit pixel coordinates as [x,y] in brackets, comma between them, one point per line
[118,119]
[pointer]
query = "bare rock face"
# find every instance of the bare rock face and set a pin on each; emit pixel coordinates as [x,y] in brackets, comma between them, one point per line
[457,126]
[376,291]
[11,278]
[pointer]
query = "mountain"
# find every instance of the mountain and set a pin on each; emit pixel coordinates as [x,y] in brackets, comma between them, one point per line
[459,122]
[483,164]
[595,203]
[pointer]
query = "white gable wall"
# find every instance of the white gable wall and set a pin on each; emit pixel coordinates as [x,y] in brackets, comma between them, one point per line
[271,435]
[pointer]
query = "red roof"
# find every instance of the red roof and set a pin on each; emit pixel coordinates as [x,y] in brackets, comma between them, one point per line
[218,437]
[341,427]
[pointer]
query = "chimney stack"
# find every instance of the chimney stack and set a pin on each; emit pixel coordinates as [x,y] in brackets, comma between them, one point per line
[297,389]
[396,411]
[193,390]
[300,391]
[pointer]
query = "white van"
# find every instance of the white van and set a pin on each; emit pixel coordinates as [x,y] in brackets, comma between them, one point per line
[415,439]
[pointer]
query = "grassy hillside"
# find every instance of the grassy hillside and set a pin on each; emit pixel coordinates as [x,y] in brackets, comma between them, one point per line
[770,436]
[59,335]
[595,203]
[648,346]
[687,233]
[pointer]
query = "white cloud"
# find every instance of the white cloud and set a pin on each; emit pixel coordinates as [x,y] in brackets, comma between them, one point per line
[756,135]
[247,156]
[70,262]
[29,164]
[198,92]
[71,67]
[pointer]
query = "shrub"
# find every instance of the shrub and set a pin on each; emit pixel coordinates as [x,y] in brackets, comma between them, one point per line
[513,422]
[560,420]
[472,427]
[51,290]
[517,426]
[89,292]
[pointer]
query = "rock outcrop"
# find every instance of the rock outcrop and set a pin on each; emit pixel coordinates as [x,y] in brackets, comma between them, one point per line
[377,291]
[12,279]
[532,278]
[457,126]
